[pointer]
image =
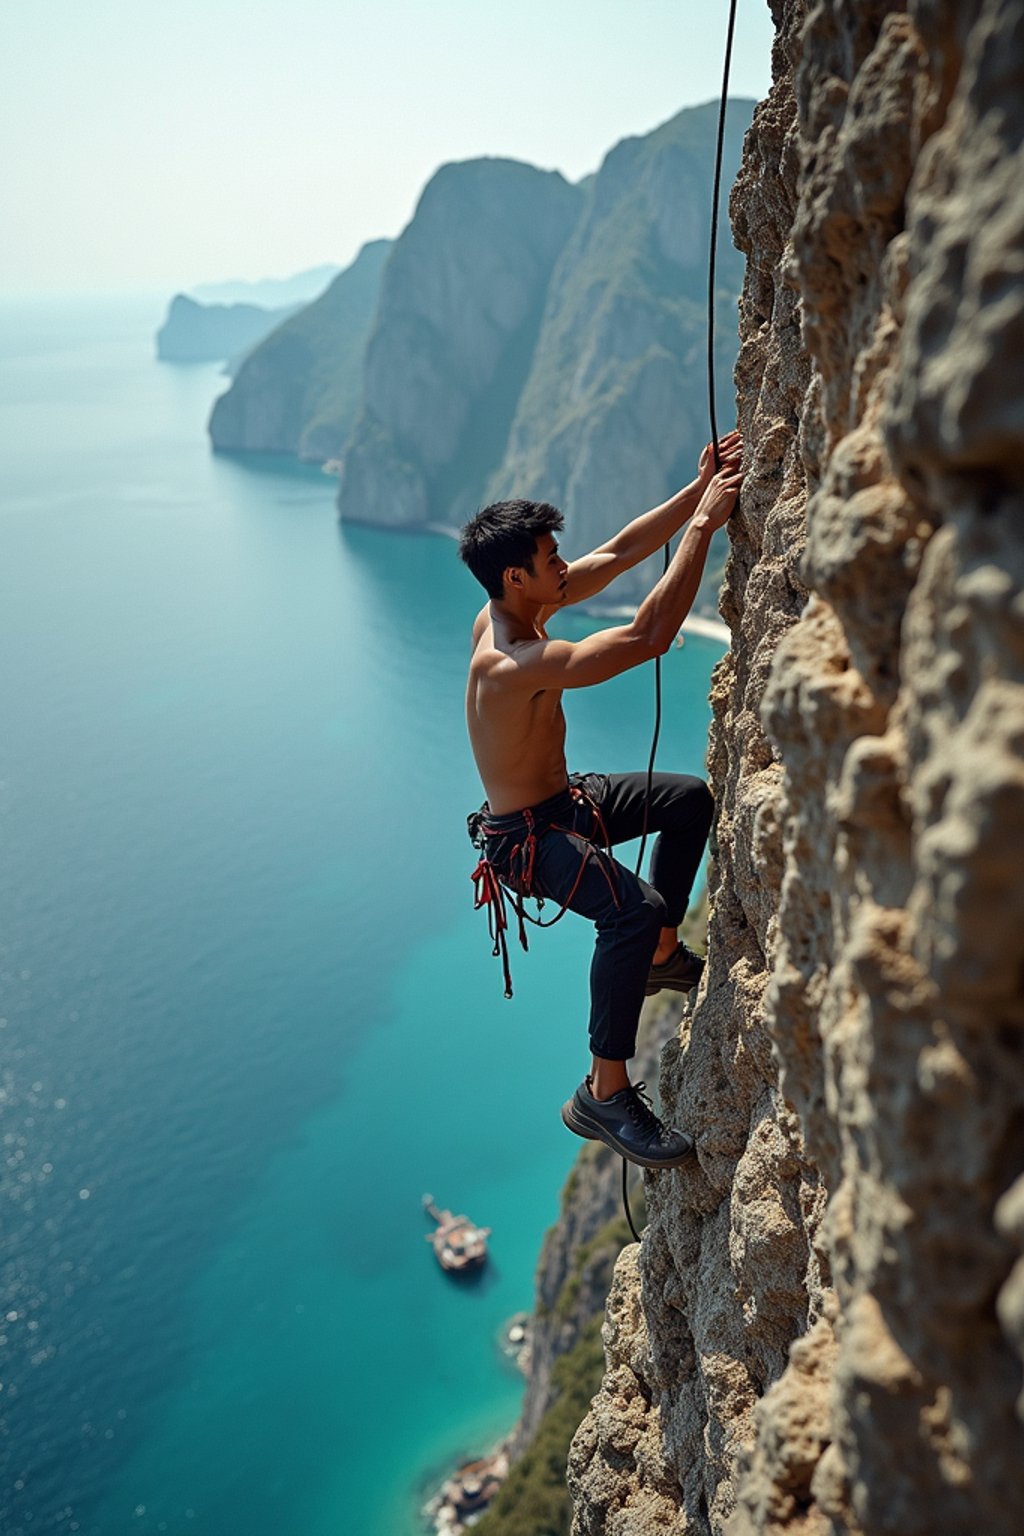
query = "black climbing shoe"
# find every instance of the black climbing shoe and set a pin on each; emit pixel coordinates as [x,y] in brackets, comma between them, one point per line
[627,1123]
[680,972]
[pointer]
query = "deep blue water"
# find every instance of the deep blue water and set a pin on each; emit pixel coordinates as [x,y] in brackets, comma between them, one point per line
[248,1015]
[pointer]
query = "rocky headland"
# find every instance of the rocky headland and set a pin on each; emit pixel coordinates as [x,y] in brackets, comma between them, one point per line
[456,325]
[538,339]
[213,333]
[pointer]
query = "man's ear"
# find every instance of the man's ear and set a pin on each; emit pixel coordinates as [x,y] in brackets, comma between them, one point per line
[513,574]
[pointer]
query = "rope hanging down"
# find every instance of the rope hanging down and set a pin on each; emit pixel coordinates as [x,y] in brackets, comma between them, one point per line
[713,251]
[713,418]
[716,194]
[625,1202]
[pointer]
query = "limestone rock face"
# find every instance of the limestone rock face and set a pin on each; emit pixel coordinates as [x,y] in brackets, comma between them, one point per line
[623,1429]
[459,309]
[576,1258]
[824,1333]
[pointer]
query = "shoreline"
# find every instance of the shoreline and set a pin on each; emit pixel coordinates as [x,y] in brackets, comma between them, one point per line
[712,629]
[693,624]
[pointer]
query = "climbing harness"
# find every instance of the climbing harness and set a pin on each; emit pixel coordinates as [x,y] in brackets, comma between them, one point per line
[515,878]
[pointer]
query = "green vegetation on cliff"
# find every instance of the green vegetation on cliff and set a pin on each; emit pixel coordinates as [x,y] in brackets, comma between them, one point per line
[534,1500]
[596,1258]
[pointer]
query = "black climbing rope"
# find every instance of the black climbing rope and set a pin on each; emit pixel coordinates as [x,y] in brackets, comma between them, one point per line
[713,251]
[713,417]
[654,740]
[625,1202]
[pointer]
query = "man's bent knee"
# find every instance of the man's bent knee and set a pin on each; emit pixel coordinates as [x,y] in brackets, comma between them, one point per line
[649,916]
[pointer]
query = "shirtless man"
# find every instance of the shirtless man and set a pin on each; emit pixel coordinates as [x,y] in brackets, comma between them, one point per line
[546,834]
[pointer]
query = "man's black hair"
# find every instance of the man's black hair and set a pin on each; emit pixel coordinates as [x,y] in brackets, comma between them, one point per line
[504,534]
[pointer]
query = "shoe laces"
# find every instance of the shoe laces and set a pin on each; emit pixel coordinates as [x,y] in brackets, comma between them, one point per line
[641,1109]
[689,955]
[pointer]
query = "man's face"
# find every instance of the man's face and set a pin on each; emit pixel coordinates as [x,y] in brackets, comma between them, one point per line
[546,587]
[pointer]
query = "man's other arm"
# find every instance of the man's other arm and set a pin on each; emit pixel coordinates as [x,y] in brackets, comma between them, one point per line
[647,533]
[565,664]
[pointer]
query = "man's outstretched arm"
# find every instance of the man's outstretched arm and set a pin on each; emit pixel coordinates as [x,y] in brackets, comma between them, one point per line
[564,664]
[647,533]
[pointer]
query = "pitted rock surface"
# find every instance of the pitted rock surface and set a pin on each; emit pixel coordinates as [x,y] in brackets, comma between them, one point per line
[824,1332]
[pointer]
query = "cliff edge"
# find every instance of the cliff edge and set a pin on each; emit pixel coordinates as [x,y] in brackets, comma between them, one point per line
[822,1331]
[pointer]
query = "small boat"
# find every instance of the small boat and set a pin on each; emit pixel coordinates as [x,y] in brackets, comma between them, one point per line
[459,1245]
[464,1496]
[474,1485]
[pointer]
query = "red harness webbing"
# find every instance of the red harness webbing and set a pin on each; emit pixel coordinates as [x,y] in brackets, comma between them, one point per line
[490,892]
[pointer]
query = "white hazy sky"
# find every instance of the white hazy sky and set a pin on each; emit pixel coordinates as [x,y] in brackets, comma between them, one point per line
[160,143]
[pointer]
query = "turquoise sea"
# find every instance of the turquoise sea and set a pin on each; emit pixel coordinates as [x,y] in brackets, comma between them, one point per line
[248,1015]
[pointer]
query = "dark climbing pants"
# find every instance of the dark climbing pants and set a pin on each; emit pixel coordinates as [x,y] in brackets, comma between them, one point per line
[569,866]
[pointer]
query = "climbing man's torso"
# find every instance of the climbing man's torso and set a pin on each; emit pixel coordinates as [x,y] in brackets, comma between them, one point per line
[517,734]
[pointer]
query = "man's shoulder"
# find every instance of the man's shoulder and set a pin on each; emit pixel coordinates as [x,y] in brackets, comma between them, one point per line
[485,659]
[481,624]
[489,664]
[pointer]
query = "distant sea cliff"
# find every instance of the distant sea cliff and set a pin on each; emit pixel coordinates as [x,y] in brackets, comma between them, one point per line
[299,391]
[523,336]
[212,333]
[269,292]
